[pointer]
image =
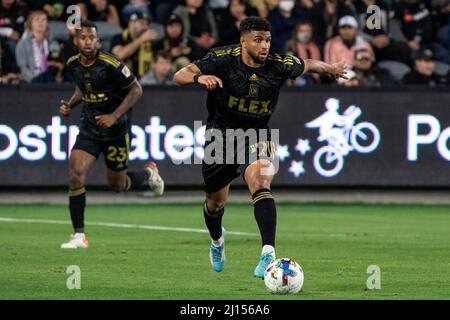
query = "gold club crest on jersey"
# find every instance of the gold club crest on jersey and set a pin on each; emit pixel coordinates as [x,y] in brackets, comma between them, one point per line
[253,90]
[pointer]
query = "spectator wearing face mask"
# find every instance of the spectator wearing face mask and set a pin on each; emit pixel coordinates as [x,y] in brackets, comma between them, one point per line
[423,73]
[344,45]
[284,19]
[368,73]
[302,43]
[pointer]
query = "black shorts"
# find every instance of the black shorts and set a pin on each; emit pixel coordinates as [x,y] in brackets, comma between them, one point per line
[115,151]
[219,174]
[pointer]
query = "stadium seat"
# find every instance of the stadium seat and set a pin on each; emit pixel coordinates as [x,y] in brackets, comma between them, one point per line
[397,69]
[441,68]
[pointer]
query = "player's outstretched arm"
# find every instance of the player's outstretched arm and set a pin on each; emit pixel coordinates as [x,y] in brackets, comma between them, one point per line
[134,94]
[65,106]
[192,74]
[337,70]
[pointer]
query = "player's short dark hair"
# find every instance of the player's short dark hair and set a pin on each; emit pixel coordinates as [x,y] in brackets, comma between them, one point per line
[254,24]
[87,24]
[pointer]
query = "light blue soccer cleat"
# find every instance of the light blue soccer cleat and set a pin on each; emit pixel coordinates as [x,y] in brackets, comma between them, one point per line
[264,261]
[217,255]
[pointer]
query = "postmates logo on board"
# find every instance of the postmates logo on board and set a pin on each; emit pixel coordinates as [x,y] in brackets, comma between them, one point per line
[339,135]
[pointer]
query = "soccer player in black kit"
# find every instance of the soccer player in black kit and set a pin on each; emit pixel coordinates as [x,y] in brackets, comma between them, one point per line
[244,82]
[109,90]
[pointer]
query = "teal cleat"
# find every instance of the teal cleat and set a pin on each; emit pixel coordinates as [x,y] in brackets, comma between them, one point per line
[264,261]
[217,255]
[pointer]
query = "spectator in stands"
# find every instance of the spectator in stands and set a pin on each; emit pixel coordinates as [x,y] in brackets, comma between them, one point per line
[368,73]
[417,26]
[55,9]
[230,19]
[302,45]
[264,6]
[36,50]
[385,47]
[102,10]
[134,45]
[163,9]
[161,71]
[12,18]
[441,19]
[344,45]
[283,20]
[423,73]
[134,6]
[9,72]
[325,16]
[183,50]
[198,22]
[218,7]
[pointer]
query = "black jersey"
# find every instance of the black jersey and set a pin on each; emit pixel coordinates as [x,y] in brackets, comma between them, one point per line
[249,95]
[104,86]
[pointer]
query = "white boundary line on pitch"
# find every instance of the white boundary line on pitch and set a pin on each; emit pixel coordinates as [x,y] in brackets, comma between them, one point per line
[120,225]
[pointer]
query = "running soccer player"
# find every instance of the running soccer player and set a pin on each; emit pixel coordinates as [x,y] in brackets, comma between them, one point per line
[109,90]
[244,82]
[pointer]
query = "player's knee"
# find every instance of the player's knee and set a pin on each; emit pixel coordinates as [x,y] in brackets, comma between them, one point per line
[261,184]
[214,205]
[76,177]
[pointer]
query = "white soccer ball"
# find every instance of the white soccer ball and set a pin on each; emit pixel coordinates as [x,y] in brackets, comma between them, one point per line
[284,276]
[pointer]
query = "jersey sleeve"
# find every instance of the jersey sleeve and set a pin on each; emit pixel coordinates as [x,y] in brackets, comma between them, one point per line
[295,67]
[122,76]
[209,63]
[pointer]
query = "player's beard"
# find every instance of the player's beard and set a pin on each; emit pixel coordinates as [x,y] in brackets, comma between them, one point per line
[255,58]
[90,55]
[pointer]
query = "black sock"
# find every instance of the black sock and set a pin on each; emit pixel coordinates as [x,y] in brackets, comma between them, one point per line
[265,215]
[136,179]
[77,203]
[213,222]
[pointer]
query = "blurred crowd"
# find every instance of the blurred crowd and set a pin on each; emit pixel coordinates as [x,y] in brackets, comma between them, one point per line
[384,42]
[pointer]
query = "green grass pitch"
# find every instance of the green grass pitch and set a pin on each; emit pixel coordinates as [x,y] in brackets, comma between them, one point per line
[333,243]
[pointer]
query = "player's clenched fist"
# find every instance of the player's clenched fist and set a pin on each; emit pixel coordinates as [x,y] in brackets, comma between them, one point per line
[64,109]
[211,82]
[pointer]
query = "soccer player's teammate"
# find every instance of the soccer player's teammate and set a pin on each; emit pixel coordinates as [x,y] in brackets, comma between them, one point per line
[244,82]
[109,90]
